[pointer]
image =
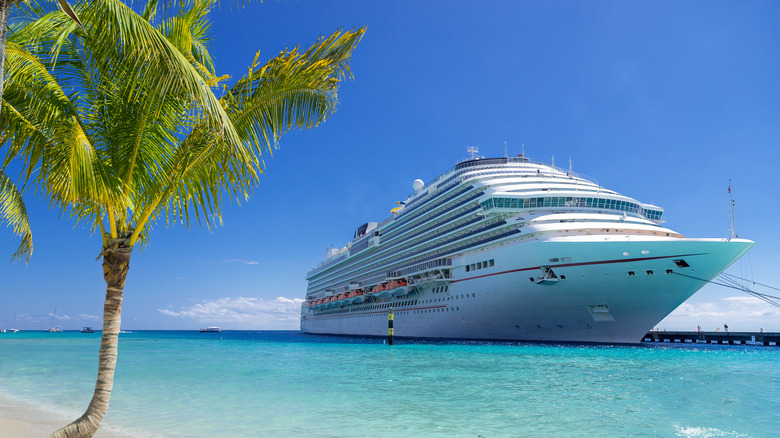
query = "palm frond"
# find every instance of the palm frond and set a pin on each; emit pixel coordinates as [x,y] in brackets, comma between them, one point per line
[14,213]
[34,103]
[146,59]
[292,91]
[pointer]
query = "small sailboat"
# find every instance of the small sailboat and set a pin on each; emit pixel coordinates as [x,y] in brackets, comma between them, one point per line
[52,328]
[13,328]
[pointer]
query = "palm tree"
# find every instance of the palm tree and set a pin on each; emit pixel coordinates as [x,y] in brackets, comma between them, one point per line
[144,138]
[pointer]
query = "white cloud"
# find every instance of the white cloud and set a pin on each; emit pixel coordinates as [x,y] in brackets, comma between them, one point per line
[741,313]
[244,313]
[242,261]
[85,316]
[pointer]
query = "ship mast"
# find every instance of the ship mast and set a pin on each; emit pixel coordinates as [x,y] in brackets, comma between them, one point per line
[731,205]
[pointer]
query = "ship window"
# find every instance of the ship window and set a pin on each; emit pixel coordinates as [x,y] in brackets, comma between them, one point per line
[531,278]
[681,264]
[631,273]
[649,272]
[467,268]
[491,262]
[479,265]
[563,277]
[669,271]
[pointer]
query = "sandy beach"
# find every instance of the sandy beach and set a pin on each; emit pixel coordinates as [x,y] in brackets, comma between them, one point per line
[23,420]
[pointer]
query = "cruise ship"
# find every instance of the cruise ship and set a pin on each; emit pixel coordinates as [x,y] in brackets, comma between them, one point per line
[512,249]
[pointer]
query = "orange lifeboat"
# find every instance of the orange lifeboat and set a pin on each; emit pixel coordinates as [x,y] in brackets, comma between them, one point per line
[396,283]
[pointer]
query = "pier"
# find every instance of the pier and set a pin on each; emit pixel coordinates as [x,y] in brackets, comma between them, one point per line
[723,338]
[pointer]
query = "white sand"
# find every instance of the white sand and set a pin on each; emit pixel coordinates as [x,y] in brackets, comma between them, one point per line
[23,420]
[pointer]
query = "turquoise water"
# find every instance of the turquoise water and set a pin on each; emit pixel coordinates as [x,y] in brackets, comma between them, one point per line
[287,384]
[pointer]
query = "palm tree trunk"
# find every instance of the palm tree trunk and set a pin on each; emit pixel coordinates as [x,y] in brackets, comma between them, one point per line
[116,262]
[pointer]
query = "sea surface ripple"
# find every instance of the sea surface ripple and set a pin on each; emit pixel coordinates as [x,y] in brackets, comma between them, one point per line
[288,384]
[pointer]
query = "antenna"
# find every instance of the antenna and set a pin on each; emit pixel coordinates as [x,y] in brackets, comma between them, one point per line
[473,150]
[731,198]
[570,172]
[522,151]
[553,162]
[505,153]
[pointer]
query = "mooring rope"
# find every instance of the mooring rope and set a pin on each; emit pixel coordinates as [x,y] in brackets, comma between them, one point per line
[731,281]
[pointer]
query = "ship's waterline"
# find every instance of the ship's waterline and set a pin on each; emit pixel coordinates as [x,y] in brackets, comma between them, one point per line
[513,249]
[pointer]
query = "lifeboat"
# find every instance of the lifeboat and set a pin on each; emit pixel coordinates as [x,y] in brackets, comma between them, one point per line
[356,296]
[380,290]
[398,287]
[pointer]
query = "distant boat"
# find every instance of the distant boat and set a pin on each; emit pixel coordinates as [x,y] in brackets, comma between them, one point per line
[211,330]
[53,329]
[87,330]
[125,331]
[14,330]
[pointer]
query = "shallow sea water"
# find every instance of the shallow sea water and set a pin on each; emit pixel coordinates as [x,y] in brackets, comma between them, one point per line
[287,384]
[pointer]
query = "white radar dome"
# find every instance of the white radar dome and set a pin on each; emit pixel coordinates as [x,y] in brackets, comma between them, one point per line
[418,184]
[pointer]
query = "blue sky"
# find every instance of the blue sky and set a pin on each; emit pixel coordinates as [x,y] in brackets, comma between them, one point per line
[662,101]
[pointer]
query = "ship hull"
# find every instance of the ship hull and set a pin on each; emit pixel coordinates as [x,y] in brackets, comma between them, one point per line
[604,289]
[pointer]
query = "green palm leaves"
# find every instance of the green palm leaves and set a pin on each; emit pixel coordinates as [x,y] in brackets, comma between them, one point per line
[141,135]
[13,211]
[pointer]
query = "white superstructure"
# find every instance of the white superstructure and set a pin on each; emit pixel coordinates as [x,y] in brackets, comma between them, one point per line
[509,248]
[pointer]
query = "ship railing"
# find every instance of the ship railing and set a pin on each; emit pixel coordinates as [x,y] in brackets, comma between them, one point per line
[497,161]
[465,166]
